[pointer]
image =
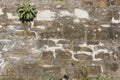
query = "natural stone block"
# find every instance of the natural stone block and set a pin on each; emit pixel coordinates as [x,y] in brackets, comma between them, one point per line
[63,54]
[99,3]
[104,56]
[77,48]
[47,55]
[94,71]
[41,43]
[116,55]
[83,57]
[63,42]
[93,42]
[111,67]
[51,72]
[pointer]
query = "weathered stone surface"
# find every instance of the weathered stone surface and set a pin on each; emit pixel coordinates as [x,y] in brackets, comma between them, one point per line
[104,56]
[46,58]
[63,54]
[41,43]
[70,33]
[93,42]
[23,71]
[119,48]
[116,55]
[16,54]
[77,48]
[62,62]
[101,26]
[113,67]
[36,55]
[51,43]
[47,55]
[72,71]
[51,72]
[94,71]
[48,34]
[83,57]
[63,42]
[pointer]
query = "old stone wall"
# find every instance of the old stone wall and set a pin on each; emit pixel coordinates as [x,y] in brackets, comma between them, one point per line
[68,44]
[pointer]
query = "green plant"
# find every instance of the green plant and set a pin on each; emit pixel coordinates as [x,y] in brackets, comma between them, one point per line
[26,12]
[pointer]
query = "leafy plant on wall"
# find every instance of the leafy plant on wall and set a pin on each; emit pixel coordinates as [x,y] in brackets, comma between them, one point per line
[26,12]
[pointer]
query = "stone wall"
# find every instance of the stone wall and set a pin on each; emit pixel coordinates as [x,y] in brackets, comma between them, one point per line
[66,45]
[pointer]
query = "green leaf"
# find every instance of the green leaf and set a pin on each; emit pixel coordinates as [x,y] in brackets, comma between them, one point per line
[22,14]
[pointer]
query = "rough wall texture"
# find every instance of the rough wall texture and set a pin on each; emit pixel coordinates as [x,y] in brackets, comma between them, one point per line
[65,45]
